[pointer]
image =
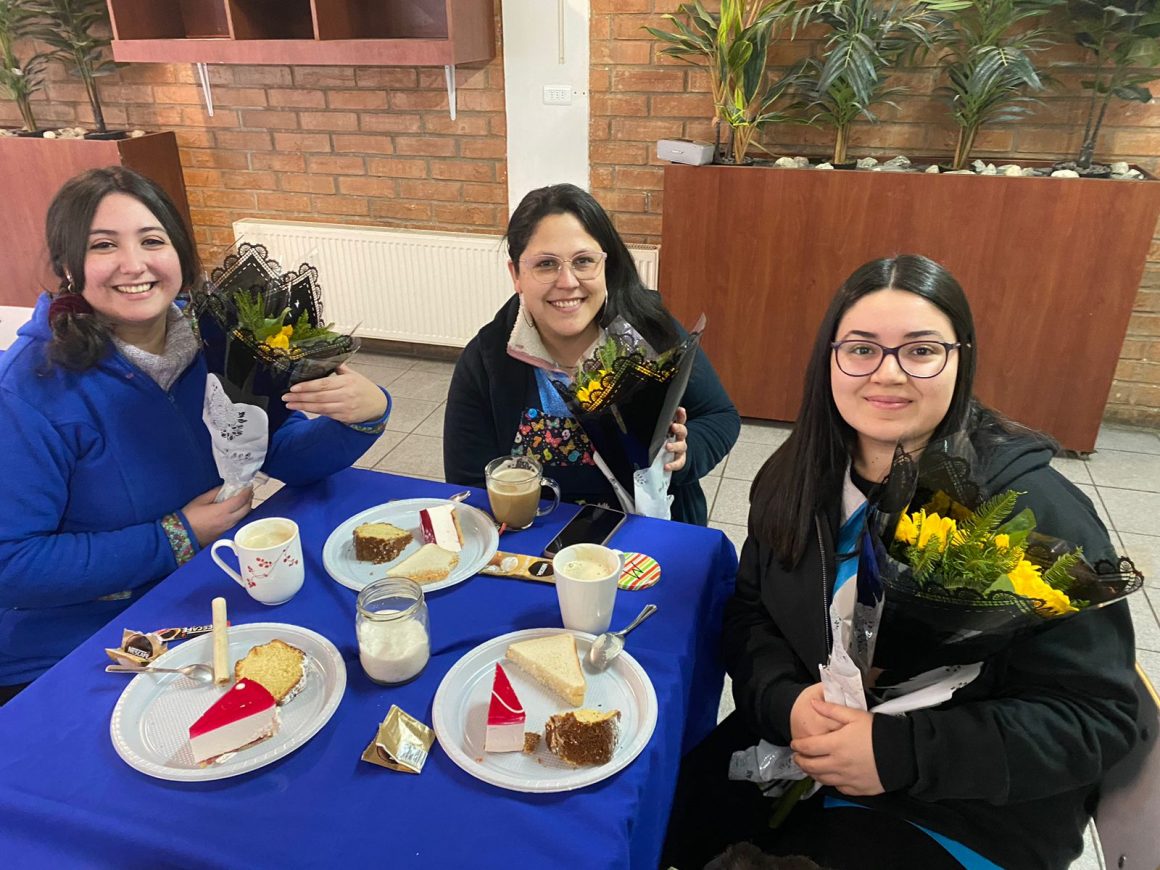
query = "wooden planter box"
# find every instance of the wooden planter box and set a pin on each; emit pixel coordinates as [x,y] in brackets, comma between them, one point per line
[1051,267]
[34,169]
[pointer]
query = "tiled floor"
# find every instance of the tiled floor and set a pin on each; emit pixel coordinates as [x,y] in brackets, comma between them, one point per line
[1122,478]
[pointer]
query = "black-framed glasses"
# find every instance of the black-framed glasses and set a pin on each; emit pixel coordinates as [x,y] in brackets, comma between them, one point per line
[585,266]
[860,358]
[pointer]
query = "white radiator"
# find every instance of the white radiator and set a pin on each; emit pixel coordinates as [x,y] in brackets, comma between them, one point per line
[403,285]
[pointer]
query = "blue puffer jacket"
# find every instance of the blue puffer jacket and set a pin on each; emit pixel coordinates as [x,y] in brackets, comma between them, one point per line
[97,466]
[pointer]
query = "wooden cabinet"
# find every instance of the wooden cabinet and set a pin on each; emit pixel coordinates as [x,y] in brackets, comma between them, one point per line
[1051,267]
[34,170]
[338,32]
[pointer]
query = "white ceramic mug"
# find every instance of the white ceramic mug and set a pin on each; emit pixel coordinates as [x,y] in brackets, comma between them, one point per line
[586,577]
[269,555]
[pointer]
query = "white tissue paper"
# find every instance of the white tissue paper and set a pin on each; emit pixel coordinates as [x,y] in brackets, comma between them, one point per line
[842,684]
[239,434]
[651,488]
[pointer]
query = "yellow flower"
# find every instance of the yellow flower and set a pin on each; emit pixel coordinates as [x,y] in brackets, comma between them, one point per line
[907,531]
[1002,541]
[281,339]
[1026,579]
[934,526]
[584,394]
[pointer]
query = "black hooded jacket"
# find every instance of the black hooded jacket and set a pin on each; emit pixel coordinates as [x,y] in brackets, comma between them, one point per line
[1009,765]
[487,399]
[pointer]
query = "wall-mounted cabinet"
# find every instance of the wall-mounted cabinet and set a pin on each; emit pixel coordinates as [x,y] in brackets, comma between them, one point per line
[308,32]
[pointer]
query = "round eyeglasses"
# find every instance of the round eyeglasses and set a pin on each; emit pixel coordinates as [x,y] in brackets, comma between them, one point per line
[585,266]
[860,358]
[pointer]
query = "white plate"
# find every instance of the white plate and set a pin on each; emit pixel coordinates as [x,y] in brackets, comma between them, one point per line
[480,541]
[460,716]
[150,724]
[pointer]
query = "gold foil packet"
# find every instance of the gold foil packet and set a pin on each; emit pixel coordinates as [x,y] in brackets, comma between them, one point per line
[137,648]
[521,566]
[402,743]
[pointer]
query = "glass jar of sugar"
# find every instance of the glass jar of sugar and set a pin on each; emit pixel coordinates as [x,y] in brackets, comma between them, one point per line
[393,629]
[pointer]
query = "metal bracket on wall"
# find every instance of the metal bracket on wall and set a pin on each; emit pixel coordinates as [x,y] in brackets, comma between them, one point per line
[449,74]
[206,91]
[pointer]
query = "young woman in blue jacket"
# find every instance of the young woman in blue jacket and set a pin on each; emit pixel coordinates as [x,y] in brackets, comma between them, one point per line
[109,475]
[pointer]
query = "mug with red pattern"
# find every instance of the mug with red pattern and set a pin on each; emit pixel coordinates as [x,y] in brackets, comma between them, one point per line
[269,555]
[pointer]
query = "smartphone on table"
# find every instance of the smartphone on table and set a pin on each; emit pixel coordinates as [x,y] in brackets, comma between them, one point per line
[593,524]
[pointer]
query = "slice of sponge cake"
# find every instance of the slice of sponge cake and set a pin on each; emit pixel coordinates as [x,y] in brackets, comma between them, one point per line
[277,665]
[553,662]
[380,542]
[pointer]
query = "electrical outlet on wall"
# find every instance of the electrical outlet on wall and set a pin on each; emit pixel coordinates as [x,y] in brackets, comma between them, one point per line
[557,95]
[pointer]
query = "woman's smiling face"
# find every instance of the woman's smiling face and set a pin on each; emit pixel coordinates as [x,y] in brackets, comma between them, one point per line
[132,271]
[566,309]
[889,406]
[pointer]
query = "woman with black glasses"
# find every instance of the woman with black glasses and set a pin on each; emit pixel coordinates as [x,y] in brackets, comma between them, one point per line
[1003,774]
[572,275]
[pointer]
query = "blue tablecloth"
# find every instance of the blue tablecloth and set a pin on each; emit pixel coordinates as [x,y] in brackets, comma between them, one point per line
[67,799]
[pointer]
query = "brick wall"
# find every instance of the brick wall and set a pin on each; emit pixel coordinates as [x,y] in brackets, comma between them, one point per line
[362,145]
[375,145]
[639,96]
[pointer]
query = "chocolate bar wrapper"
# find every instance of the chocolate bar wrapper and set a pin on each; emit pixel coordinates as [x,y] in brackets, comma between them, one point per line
[521,566]
[137,648]
[402,743]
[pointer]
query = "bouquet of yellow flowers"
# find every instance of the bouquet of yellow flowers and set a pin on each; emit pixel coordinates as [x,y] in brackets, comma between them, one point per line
[263,330]
[625,394]
[959,578]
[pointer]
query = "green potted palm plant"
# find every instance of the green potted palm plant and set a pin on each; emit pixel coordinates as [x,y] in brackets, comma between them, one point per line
[989,65]
[866,38]
[1123,41]
[734,47]
[20,79]
[75,32]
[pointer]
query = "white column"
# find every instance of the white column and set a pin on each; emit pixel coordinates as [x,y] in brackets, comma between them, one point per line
[545,48]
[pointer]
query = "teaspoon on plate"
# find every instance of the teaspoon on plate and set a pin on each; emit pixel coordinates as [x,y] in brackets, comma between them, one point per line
[198,673]
[609,645]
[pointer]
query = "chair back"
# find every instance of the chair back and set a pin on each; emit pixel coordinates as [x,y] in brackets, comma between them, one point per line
[12,317]
[1127,816]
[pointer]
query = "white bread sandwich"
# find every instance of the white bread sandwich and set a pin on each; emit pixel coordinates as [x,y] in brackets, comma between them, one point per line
[554,663]
[428,564]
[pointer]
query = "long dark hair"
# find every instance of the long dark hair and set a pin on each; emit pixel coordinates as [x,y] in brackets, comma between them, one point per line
[80,337]
[807,471]
[627,295]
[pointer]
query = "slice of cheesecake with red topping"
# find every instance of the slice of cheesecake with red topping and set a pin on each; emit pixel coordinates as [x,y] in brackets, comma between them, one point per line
[440,526]
[244,715]
[505,717]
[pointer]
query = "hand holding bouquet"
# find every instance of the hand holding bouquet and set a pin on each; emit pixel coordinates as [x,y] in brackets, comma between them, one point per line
[625,396]
[263,332]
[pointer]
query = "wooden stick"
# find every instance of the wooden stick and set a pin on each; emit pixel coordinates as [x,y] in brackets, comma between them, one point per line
[221,643]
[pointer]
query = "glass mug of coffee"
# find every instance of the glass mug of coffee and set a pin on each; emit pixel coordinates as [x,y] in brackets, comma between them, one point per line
[513,488]
[586,582]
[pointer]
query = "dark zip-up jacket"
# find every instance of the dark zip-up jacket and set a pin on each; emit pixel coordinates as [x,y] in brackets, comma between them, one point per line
[487,399]
[1009,765]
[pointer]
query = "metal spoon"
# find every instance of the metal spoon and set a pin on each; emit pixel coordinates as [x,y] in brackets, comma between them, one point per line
[197,673]
[608,646]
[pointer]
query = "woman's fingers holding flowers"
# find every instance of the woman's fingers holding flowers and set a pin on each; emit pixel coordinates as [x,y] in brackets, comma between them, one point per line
[345,396]
[208,519]
[843,758]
